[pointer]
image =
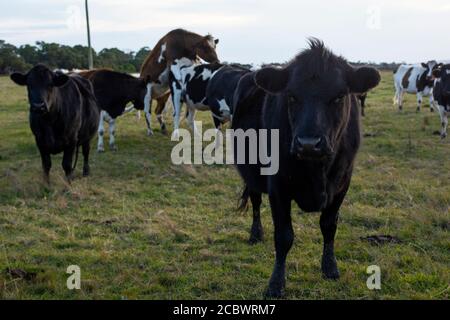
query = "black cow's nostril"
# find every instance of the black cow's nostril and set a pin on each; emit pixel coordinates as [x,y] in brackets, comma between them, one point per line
[310,144]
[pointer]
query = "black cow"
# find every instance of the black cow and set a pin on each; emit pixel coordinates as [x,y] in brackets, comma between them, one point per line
[311,102]
[441,92]
[63,115]
[362,100]
[114,90]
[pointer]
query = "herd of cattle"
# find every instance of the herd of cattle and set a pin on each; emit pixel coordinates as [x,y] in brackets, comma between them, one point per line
[312,101]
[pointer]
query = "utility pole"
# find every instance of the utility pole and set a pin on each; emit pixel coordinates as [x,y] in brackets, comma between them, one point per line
[91,59]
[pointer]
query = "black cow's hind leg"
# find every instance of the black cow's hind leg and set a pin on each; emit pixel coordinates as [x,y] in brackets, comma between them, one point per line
[284,237]
[86,149]
[256,233]
[67,162]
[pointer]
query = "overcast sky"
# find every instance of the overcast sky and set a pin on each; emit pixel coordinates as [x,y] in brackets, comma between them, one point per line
[250,31]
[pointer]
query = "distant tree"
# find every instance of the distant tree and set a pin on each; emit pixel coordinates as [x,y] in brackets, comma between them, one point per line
[140,57]
[29,53]
[10,60]
[115,59]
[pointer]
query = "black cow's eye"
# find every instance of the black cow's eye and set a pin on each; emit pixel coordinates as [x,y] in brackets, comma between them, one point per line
[292,99]
[339,99]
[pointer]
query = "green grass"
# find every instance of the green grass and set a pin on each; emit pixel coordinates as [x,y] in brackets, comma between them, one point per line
[142,228]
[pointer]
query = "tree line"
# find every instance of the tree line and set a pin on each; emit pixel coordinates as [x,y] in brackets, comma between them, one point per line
[59,56]
[55,55]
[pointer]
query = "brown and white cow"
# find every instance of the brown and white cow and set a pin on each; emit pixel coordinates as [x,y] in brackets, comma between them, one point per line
[174,45]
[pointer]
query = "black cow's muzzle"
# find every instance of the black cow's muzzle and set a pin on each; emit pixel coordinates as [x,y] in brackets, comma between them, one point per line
[39,108]
[310,148]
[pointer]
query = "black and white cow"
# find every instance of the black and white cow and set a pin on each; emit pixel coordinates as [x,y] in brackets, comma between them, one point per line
[441,92]
[414,79]
[220,92]
[203,87]
[63,116]
[188,82]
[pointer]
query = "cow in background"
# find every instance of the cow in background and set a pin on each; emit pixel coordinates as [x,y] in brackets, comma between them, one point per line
[362,101]
[441,92]
[63,116]
[203,87]
[414,79]
[176,44]
[114,90]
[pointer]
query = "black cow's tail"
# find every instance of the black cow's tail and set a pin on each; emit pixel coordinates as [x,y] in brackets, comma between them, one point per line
[243,201]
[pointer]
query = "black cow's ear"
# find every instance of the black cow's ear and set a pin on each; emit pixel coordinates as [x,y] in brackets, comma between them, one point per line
[60,79]
[272,80]
[363,79]
[216,41]
[19,78]
[424,65]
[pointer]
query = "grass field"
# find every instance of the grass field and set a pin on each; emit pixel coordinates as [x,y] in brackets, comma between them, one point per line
[142,228]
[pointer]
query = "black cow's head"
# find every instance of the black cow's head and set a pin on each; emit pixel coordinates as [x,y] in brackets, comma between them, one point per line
[40,82]
[315,90]
[443,75]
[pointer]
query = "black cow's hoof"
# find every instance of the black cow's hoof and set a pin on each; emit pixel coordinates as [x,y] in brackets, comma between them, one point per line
[329,268]
[331,275]
[255,240]
[69,179]
[274,293]
[86,172]
[256,236]
[431,110]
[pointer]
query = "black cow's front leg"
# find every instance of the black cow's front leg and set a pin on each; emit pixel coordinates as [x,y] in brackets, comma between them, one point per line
[86,149]
[328,226]
[46,165]
[284,237]
[256,233]
[67,162]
